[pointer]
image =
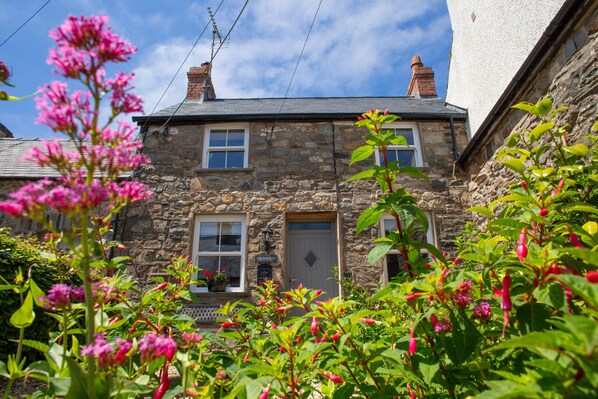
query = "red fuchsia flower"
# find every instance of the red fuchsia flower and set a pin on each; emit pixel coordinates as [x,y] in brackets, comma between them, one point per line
[575,240]
[61,296]
[153,346]
[265,392]
[521,247]
[482,311]
[4,73]
[318,293]
[441,326]
[227,324]
[461,294]
[159,287]
[368,321]
[412,342]
[164,383]
[335,337]
[414,296]
[333,377]
[524,185]
[505,304]
[592,276]
[457,261]
[411,393]
[314,325]
[543,212]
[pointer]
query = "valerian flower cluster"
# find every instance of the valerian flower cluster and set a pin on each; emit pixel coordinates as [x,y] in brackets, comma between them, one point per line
[90,175]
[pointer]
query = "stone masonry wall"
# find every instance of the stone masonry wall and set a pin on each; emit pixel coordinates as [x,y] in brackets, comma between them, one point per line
[295,168]
[571,79]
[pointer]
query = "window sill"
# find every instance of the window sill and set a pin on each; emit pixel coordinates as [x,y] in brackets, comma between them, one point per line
[222,294]
[201,170]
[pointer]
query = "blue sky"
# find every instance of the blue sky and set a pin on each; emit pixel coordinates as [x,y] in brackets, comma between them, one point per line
[356,48]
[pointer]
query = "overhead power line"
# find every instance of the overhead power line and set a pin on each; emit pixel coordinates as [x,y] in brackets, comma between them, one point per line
[211,60]
[298,61]
[25,23]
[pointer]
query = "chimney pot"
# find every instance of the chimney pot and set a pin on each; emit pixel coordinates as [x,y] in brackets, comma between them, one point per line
[422,79]
[199,83]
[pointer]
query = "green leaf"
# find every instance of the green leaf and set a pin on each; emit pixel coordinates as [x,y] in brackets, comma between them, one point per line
[544,106]
[532,317]
[368,218]
[3,370]
[537,132]
[585,328]
[551,294]
[582,253]
[591,228]
[582,287]
[24,316]
[514,164]
[40,346]
[578,149]
[463,339]
[580,207]
[78,387]
[378,252]
[366,174]
[361,153]
[36,291]
[413,172]
[481,210]
[528,107]
[542,172]
[428,371]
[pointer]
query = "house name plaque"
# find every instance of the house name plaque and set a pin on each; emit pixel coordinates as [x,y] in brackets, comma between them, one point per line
[266,258]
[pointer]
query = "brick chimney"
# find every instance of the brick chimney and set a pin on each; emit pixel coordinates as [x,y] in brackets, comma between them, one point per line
[422,79]
[199,86]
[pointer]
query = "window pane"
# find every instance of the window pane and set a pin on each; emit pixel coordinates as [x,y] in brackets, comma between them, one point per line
[236,138]
[407,133]
[389,224]
[310,226]
[404,157]
[209,263]
[231,265]
[217,138]
[394,265]
[208,236]
[235,159]
[216,159]
[230,237]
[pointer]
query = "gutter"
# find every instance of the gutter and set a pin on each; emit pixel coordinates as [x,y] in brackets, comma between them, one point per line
[548,45]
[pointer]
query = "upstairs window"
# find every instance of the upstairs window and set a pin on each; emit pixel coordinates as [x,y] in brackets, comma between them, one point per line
[225,147]
[405,155]
[219,246]
[393,262]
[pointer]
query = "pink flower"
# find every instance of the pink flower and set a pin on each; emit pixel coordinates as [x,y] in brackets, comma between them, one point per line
[314,325]
[108,354]
[333,377]
[153,346]
[4,73]
[461,295]
[505,304]
[164,383]
[412,342]
[191,338]
[265,392]
[368,321]
[543,212]
[521,247]
[61,296]
[575,240]
[441,326]
[482,311]
[592,276]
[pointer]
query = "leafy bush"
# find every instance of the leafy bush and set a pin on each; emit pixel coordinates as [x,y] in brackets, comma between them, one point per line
[36,259]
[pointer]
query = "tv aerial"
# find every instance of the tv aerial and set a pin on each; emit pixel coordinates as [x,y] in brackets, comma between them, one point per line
[216,35]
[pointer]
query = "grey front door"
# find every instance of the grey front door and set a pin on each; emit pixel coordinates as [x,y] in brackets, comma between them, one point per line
[311,255]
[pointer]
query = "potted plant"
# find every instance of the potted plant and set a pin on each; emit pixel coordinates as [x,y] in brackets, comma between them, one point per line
[216,281]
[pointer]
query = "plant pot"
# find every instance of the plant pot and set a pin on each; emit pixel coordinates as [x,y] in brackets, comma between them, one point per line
[218,287]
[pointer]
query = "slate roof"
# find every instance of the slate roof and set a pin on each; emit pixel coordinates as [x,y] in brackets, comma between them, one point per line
[309,108]
[12,166]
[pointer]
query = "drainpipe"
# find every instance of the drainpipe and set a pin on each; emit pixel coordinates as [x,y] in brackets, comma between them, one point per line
[455,149]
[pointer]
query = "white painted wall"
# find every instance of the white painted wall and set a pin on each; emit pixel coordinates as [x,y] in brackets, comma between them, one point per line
[491,39]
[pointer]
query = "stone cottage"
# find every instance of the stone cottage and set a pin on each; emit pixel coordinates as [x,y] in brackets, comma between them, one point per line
[257,187]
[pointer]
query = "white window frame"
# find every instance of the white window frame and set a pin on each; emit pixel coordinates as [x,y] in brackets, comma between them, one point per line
[416,147]
[228,126]
[242,253]
[430,239]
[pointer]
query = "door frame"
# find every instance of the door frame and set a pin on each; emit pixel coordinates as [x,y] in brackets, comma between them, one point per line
[313,217]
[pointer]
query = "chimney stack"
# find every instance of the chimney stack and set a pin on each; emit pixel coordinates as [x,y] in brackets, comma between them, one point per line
[422,79]
[199,86]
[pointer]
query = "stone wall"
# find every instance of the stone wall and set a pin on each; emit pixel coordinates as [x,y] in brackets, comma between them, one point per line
[570,77]
[295,169]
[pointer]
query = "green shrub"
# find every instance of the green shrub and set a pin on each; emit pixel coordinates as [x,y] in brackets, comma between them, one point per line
[29,255]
